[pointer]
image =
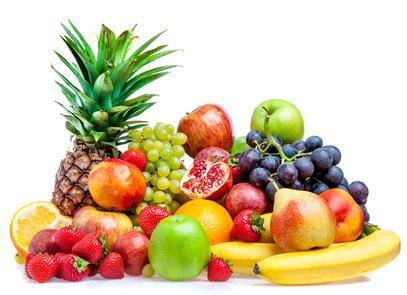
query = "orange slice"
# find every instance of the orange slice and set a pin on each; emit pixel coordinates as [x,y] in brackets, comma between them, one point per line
[32,218]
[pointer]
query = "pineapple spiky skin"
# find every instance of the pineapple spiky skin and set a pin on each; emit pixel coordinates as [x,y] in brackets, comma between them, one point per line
[71,181]
[101,109]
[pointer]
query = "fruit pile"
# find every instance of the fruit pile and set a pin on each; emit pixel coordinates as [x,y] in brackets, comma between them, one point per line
[268,204]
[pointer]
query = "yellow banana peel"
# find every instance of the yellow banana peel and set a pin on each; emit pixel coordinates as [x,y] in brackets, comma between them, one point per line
[342,262]
[243,256]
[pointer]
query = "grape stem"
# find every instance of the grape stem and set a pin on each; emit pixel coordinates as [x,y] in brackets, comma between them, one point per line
[273,183]
[317,180]
[270,138]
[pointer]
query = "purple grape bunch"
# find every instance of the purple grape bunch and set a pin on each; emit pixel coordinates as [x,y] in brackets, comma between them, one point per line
[308,165]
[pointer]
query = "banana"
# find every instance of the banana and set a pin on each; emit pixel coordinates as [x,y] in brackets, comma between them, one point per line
[332,264]
[243,256]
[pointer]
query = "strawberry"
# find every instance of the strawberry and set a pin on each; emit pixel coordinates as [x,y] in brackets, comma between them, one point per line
[91,248]
[73,268]
[58,257]
[237,174]
[112,267]
[150,216]
[66,237]
[27,260]
[247,226]
[135,157]
[219,270]
[42,267]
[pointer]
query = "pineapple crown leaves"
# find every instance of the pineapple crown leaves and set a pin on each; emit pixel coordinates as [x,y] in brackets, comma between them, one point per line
[101,108]
[257,222]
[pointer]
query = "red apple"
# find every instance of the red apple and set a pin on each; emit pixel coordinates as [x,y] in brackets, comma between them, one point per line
[208,125]
[244,196]
[133,247]
[44,241]
[348,214]
[110,225]
[116,185]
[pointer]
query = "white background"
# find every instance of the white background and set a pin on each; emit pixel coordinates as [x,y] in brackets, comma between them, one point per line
[343,63]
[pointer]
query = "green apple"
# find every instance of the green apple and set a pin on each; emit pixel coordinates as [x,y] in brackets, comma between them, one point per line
[285,119]
[179,248]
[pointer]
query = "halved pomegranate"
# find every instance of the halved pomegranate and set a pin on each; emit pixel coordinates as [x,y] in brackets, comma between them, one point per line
[209,177]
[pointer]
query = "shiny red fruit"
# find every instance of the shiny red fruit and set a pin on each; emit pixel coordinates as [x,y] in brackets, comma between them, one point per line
[90,248]
[136,157]
[133,247]
[44,242]
[112,266]
[244,196]
[27,260]
[67,237]
[73,268]
[42,267]
[237,174]
[116,185]
[150,216]
[247,226]
[219,270]
[207,126]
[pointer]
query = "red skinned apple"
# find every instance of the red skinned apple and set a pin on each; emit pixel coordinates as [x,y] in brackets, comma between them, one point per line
[44,242]
[210,175]
[348,214]
[133,247]
[116,185]
[110,225]
[244,196]
[206,126]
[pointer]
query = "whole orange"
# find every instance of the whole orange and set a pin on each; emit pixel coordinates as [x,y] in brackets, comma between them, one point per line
[215,220]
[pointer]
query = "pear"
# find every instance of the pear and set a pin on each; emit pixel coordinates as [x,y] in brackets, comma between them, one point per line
[301,221]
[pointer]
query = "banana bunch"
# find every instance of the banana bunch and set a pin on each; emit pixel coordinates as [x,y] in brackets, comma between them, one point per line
[336,263]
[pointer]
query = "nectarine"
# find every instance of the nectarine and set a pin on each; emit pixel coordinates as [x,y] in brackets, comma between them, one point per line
[348,214]
[116,185]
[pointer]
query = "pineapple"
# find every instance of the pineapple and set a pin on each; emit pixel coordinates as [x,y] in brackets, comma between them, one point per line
[101,110]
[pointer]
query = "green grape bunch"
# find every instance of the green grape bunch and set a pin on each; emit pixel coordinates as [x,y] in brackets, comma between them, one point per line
[163,148]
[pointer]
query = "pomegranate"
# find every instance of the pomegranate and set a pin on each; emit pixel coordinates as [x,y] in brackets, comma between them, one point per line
[213,154]
[209,177]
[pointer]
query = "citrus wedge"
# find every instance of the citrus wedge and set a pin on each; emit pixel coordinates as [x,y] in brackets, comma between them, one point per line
[32,218]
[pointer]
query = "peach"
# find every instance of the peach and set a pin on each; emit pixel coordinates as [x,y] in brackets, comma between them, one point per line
[348,214]
[301,221]
[116,185]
